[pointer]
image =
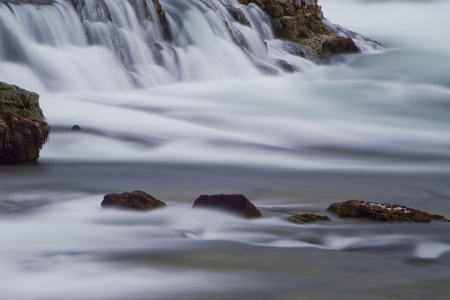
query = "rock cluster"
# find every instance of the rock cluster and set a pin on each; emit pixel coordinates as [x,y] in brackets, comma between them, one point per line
[23,131]
[141,201]
[238,204]
[382,212]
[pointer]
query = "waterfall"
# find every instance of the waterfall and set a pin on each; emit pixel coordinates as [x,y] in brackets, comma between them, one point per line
[88,45]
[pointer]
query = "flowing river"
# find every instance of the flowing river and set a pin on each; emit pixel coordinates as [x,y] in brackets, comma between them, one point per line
[196,115]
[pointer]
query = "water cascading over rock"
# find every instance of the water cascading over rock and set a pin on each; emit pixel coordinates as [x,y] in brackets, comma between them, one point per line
[84,45]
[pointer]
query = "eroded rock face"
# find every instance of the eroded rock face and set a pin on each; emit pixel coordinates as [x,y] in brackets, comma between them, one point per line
[382,212]
[301,21]
[137,200]
[21,139]
[237,204]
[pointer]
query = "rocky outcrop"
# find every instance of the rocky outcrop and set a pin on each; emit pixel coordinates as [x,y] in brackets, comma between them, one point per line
[237,204]
[308,218]
[23,131]
[301,21]
[137,200]
[382,212]
[22,102]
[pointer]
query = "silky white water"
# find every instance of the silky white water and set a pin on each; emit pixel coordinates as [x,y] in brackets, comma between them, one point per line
[197,114]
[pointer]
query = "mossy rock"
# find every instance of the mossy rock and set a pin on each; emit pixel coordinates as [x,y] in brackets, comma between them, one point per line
[384,212]
[22,102]
[308,218]
[137,201]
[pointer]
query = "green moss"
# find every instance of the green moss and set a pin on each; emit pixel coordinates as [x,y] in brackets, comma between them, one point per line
[308,218]
[19,101]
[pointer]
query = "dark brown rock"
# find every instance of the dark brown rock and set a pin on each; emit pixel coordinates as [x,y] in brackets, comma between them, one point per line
[237,204]
[274,11]
[339,44]
[21,138]
[137,200]
[382,212]
[292,28]
[238,15]
[308,218]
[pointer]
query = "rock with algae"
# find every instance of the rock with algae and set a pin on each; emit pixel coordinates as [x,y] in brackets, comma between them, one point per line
[22,102]
[137,200]
[307,218]
[382,212]
[23,131]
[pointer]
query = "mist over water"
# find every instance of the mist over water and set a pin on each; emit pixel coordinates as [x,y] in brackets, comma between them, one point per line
[198,114]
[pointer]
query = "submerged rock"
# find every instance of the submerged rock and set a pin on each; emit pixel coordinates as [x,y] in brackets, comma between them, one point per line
[382,212]
[308,218]
[237,204]
[137,200]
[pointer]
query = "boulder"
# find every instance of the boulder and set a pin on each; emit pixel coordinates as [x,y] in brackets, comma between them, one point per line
[307,218]
[237,204]
[137,200]
[382,212]
[23,131]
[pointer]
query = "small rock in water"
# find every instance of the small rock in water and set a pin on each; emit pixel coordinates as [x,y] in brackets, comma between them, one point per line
[237,203]
[76,127]
[137,200]
[382,212]
[308,218]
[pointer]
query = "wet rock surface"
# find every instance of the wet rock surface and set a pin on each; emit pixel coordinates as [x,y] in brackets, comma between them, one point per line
[382,212]
[23,131]
[308,218]
[20,101]
[302,22]
[137,200]
[236,204]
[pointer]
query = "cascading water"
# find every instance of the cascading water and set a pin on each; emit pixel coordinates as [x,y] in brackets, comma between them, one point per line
[85,45]
[179,106]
